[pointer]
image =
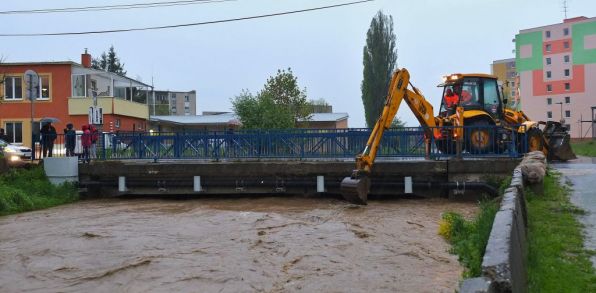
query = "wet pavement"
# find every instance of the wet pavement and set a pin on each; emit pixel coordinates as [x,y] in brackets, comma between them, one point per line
[582,175]
[230,245]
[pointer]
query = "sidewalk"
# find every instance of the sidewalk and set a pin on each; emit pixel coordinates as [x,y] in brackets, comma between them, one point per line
[582,174]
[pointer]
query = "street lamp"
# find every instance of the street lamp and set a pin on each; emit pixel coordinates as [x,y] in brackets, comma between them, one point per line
[561,103]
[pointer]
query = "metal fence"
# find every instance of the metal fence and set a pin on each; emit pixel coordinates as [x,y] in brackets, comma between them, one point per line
[296,144]
[288,144]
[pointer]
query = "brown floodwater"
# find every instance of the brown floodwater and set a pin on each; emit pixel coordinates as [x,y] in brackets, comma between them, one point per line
[230,245]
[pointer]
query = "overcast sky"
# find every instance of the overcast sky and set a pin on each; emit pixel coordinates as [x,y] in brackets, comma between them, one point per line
[323,48]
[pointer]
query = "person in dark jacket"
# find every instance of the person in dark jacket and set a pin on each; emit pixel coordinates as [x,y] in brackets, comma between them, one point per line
[48,136]
[70,139]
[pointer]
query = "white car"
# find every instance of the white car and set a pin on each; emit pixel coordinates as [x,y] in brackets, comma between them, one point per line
[14,152]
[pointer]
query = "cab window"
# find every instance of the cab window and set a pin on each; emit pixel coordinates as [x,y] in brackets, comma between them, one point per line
[491,97]
[468,92]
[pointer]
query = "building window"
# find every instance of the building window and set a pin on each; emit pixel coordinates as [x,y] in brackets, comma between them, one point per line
[566,58]
[548,74]
[568,126]
[548,61]
[79,87]
[14,132]
[549,101]
[549,88]
[566,31]
[567,86]
[547,34]
[567,100]
[566,45]
[117,123]
[567,113]
[174,110]
[549,115]
[44,87]
[13,88]
[186,98]
[566,72]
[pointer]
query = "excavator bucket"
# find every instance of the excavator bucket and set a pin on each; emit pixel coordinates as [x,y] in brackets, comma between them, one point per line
[559,147]
[355,190]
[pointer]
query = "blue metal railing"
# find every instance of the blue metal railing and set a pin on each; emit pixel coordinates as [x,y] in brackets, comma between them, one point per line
[305,144]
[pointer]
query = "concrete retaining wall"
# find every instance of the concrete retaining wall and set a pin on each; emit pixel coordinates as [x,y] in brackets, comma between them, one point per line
[504,262]
[60,170]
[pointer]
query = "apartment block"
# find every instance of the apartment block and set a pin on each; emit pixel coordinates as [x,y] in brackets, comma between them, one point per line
[174,103]
[557,70]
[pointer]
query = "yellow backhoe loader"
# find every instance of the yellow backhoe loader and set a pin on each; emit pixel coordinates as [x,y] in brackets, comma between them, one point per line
[471,106]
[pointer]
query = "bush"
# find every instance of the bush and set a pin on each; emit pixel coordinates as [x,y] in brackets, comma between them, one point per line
[28,189]
[469,237]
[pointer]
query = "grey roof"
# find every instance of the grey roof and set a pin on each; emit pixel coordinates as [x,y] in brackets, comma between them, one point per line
[326,117]
[226,118]
[231,118]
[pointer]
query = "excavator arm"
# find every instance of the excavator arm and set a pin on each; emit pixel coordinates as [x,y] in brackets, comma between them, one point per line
[356,187]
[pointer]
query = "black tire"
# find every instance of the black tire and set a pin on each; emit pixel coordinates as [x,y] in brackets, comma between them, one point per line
[479,138]
[446,146]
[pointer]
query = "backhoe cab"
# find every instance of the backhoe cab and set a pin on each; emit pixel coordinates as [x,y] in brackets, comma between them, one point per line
[481,102]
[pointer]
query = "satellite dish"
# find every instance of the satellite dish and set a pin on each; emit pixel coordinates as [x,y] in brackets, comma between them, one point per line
[32,84]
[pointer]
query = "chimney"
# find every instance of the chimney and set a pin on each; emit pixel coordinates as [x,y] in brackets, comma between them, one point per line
[86,59]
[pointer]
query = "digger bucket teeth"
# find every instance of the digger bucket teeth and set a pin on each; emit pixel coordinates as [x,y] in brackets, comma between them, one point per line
[355,190]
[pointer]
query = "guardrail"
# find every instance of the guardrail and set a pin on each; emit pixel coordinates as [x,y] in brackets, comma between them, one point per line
[297,144]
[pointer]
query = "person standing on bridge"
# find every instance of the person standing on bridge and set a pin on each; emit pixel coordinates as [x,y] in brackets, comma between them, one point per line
[70,139]
[86,143]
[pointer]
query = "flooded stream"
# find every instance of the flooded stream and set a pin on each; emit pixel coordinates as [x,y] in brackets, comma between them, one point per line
[230,245]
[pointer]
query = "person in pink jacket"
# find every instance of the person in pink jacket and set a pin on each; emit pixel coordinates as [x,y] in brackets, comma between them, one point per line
[86,143]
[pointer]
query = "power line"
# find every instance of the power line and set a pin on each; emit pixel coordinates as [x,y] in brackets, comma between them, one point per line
[186,24]
[113,7]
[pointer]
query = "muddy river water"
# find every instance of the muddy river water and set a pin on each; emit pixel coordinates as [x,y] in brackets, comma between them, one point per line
[230,245]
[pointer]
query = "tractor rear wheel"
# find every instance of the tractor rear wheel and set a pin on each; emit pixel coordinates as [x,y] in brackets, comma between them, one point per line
[479,136]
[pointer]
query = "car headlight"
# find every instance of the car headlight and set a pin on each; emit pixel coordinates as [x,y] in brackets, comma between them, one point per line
[15,158]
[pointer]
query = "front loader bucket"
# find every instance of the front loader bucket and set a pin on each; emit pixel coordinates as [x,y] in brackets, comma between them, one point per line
[355,190]
[559,147]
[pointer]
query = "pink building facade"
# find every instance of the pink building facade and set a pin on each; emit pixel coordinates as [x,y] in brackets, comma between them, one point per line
[557,69]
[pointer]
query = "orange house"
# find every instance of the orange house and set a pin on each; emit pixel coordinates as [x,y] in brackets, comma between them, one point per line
[66,91]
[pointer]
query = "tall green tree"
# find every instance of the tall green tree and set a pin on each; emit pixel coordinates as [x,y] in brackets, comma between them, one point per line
[261,112]
[284,90]
[109,62]
[280,104]
[379,60]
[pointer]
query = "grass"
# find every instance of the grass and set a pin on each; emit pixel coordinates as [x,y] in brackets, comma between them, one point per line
[557,260]
[584,147]
[468,238]
[24,190]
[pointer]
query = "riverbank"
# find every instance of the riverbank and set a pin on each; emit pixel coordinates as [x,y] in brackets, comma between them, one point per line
[28,189]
